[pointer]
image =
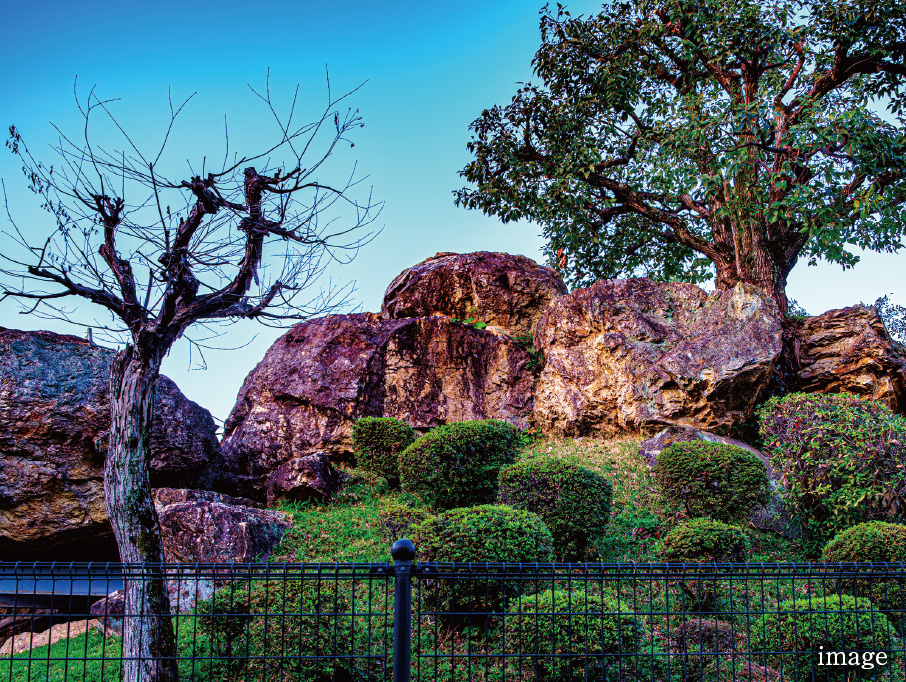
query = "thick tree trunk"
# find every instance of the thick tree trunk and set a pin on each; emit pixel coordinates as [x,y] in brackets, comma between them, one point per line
[149,644]
[753,262]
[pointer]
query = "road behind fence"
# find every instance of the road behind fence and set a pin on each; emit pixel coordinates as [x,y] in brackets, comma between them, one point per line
[493,622]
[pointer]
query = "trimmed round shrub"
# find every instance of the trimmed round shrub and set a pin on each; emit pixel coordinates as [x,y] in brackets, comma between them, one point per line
[486,533]
[844,460]
[274,625]
[705,541]
[801,630]
[377,443]
[873,541]
[571,635]
[573,502]
[723,482]
[456,465]
[395,519]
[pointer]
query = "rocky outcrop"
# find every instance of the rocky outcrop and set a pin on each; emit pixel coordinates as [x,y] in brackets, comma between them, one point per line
[849,350]
[54,419]
[321,375]
[201,526]
[635,356]
[304,478]
[500,289]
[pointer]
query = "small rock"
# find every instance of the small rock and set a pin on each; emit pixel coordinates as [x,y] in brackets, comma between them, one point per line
[304,478]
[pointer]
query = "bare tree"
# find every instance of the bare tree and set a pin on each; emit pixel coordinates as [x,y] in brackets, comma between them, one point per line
[203,245]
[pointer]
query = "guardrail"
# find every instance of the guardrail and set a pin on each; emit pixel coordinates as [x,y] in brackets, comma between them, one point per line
[494,622]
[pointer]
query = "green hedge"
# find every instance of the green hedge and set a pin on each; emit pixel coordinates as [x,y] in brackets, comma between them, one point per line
[377,443]
[577,635]
[723,482]
[803,629]
[705,541]
[486,533]
[456,465]
[574,502]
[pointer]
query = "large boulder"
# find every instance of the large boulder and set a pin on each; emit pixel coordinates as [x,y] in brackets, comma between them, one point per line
[849,350]
[635,356]
[321,375]
[54,420]
[500,289]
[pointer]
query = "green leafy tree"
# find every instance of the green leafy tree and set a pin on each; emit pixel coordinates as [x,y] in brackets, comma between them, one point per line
[699,138]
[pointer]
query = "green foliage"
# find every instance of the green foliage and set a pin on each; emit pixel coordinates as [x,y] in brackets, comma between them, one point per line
[576,634]
[486,533]
[635,159]
[879,542]
[837,623]
[536,357]
[395,518]
[574,502]
[720,481]
[456,465]
[705,541]
[377,442]
[295,619]
[844,459]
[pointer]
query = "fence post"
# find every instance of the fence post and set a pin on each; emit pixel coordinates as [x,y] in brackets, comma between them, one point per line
[403,552]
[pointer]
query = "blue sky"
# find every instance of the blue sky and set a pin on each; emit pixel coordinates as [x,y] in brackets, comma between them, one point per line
[430,70]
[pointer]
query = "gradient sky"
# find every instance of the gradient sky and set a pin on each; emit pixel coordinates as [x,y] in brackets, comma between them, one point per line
[430,70]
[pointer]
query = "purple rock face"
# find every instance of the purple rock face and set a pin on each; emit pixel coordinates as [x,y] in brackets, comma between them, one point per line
[503,290]
[634,356]
[321,375]
[54,419]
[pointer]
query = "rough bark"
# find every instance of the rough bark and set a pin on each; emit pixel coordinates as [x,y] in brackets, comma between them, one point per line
[149,643]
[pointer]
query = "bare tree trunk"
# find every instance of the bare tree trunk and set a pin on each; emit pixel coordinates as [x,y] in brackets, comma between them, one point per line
[149,644]
[755,263]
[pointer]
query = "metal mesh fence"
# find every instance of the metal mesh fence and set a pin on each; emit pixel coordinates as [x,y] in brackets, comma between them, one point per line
[314,622]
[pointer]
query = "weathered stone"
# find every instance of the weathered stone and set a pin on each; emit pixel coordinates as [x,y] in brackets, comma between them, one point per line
[26,641]
[109,610]
[54,419]
[211,528]
[321,375]
[501,289]
[304,478]
[849,350]
[635,356]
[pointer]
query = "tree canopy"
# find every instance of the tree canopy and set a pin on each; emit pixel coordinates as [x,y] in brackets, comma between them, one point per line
[699,138]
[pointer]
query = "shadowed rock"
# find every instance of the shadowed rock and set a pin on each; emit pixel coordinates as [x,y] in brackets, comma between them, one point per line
[304,478]
[321,375]
[503,290]
[54,420]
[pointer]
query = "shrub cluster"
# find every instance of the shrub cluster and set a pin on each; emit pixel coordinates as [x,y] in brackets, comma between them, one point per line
[395,519]
[873,541]
[720,481]
[705,541]
[800,630]
[377,443]
[486,533]
[456,465]
[248,625]
[573,502]
[572,635]
[844,459]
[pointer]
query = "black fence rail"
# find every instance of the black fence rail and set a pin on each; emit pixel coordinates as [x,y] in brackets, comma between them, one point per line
[494,622]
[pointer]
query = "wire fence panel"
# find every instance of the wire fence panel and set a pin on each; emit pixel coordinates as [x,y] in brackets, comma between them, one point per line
[493,622]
